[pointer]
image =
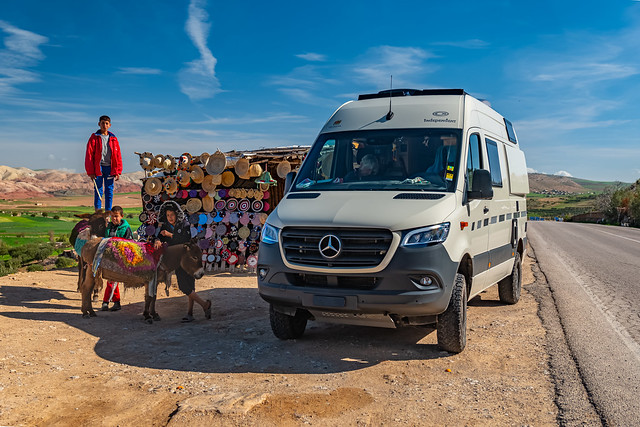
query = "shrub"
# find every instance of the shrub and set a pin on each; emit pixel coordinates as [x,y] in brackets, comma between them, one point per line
[35,267]
[64,262]
[20,235]
[45,214]
[4,249]
[56,217]
[9,266]
[31,252]
[14,214]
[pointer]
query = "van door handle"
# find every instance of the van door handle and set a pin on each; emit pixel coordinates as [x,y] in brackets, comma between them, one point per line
[485,210]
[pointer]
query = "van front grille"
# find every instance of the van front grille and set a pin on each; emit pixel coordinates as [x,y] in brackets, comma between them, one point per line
[359,247]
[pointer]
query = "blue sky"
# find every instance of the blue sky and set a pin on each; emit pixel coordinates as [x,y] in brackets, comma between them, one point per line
[200,75]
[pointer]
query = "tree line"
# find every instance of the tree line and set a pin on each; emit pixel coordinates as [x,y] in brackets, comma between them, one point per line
[621,205]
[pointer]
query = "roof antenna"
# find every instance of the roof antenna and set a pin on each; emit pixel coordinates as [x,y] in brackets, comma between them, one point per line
[390,113]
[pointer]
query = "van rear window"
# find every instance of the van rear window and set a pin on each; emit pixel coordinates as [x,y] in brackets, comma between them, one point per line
[510,132]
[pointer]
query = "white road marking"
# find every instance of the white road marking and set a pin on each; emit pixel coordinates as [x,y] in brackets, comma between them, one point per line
[616,235]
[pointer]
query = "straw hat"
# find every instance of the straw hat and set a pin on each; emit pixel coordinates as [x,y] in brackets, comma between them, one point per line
[207,203]
[255,170]
[194,205]
[197,175]
[184,162]
[170,185]
[216,163]
[169,163]
[265,178]
[184,178]
[284,167]
[153,186]
[204,157]
[242,167]
[228,179]
[208,185]
[146,161]
[157,161]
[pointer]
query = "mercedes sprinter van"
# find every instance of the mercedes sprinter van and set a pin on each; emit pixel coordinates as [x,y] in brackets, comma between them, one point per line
[408,204]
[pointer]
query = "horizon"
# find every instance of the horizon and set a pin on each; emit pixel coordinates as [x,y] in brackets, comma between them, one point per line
[202,75]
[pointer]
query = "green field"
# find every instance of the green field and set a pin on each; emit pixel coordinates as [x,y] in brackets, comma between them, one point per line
[546,206]
[31,226]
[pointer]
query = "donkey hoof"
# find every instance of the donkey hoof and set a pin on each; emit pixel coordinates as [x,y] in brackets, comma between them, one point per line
[85,315]
[149,320]
[156,317]
[93,314]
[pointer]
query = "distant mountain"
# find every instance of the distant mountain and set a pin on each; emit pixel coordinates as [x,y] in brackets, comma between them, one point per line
[23,183]
[541,183]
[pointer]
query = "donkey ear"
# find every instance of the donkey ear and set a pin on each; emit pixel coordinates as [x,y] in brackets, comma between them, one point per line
[83,216]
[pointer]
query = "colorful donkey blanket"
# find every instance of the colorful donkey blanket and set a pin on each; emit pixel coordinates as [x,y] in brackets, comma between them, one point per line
[129,258]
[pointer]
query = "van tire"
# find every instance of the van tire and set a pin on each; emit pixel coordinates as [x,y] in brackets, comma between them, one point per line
[509,288]
[287,327]
[452,324]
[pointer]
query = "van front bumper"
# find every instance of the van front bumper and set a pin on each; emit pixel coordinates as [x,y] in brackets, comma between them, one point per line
[393,291]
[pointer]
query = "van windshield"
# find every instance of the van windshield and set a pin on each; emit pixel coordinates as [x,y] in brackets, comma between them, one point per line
[397,159]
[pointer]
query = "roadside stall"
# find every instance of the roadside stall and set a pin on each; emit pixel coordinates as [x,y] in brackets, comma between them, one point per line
[225,196]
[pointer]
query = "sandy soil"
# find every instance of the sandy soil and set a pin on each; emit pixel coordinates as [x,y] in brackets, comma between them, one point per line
[58,368]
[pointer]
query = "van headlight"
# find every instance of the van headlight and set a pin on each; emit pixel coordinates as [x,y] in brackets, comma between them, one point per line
[426,236]
[269,234]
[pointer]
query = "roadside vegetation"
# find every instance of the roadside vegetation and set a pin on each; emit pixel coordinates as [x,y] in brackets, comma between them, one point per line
[621,204]
[560,206]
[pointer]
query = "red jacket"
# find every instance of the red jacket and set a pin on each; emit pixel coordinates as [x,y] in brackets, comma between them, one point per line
[94,154]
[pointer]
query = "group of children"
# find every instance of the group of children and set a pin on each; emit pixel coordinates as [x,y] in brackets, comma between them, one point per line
[103,164]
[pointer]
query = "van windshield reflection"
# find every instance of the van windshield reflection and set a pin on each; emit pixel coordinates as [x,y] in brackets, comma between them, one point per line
[398,159]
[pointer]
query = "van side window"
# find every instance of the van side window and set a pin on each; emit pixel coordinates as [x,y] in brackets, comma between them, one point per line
[494,163]
[473,159]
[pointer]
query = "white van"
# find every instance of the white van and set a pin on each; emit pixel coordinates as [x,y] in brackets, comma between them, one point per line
[408,204]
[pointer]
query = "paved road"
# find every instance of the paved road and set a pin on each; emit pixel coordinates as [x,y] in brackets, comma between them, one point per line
[594,274]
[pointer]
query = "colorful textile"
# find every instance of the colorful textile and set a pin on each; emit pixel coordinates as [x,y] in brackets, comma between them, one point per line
[81,239]
[138,260]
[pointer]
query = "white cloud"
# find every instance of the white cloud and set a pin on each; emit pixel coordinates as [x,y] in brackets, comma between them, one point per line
[198,78]
[583,73]
[21,51]
[406,64]
[245,120]
[139,70]
[466,44]
[313,57]
[563,173]
[532,170]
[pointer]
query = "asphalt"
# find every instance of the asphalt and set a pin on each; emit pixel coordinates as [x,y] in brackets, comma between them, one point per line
[593,273]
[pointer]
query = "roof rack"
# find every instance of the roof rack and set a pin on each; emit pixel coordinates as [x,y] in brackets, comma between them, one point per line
[410,92]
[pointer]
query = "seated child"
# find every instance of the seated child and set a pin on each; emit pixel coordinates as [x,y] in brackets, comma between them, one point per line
[118,227]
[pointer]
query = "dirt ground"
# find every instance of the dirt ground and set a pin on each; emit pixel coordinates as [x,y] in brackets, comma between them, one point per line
[58,368]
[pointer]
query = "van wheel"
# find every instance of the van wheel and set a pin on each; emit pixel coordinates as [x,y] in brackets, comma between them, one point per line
[509,287]
[452,324]
[287,327]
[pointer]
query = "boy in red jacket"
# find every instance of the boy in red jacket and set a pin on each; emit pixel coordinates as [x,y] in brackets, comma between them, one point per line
[103,162]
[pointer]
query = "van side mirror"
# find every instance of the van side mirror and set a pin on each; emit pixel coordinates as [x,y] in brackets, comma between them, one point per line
[480,185]
[288,181]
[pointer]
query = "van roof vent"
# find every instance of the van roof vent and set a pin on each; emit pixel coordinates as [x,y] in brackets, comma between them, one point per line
[410,92]
[302,195]
[419,196]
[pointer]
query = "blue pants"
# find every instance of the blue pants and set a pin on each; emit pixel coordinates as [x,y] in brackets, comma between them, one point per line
[107,180]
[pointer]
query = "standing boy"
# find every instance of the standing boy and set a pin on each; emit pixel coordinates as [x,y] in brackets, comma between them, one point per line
[103,162]
[118,227]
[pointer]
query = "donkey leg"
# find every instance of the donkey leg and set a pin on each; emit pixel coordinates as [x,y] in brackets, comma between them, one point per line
[146,312]
[88,283]
[154,314]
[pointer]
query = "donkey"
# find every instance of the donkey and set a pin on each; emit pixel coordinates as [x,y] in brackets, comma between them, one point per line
[92,225]
[135,264]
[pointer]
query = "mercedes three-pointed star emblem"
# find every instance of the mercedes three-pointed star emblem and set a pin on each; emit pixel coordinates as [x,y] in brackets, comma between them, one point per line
[330,246]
